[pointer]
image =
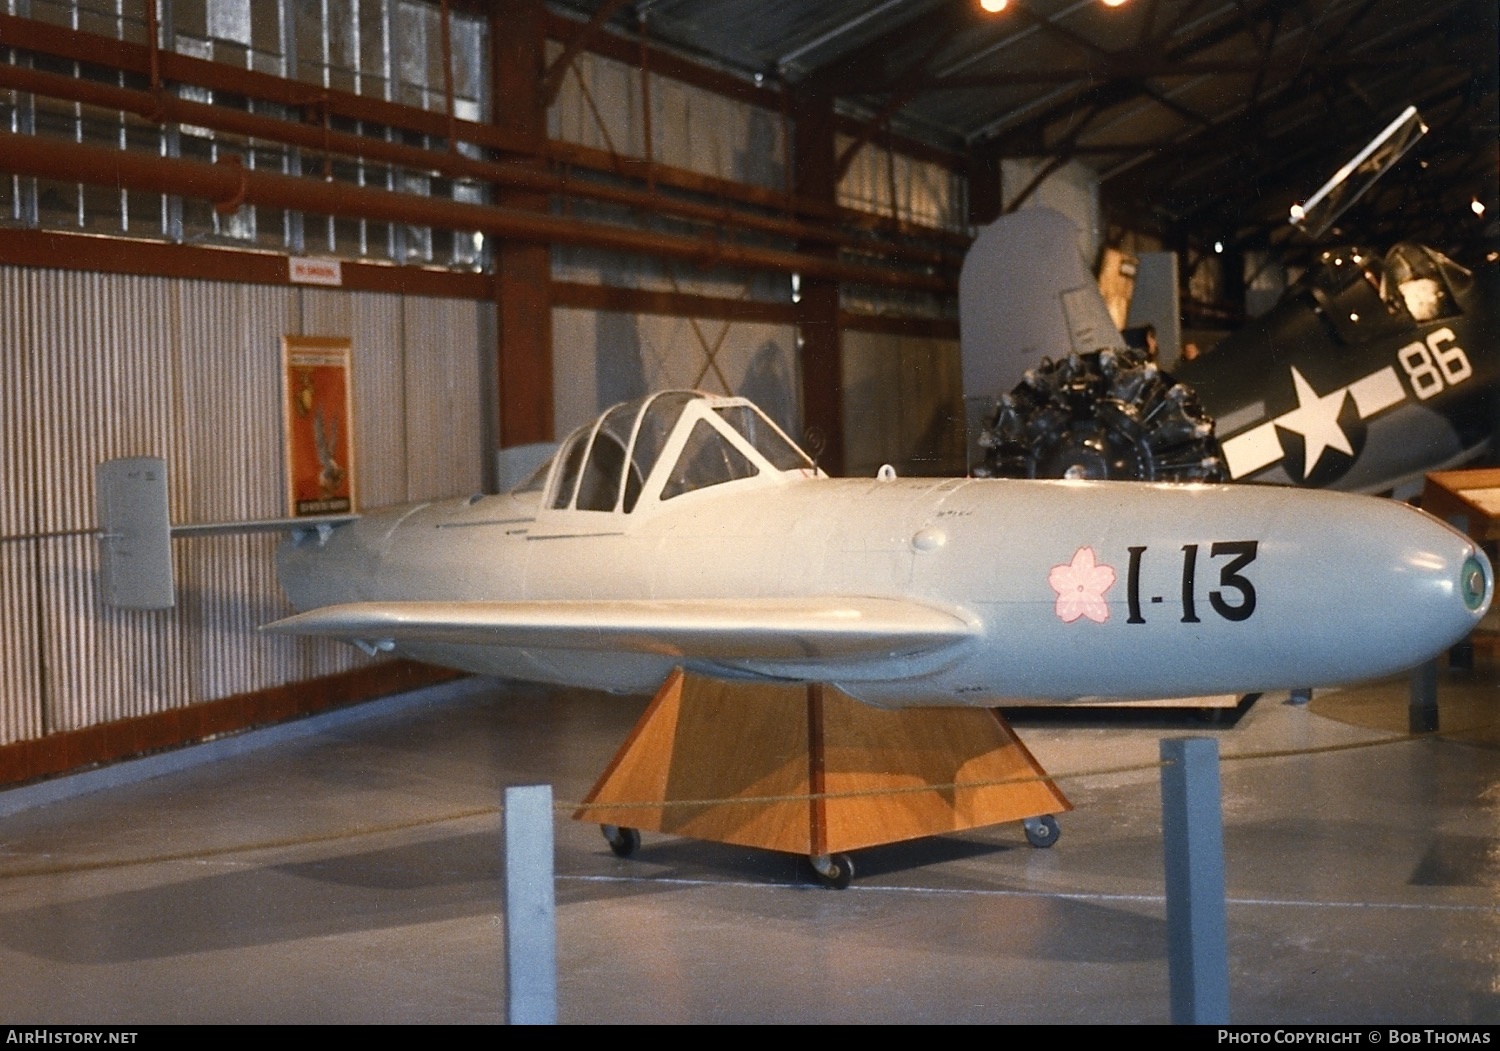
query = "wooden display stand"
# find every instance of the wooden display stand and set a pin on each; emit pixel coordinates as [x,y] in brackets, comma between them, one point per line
[737,762]
[1467,500]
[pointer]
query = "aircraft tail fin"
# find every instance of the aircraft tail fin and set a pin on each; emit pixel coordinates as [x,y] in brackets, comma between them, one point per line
[1025,293]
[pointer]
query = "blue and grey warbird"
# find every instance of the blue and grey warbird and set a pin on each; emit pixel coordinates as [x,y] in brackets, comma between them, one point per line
[1375,368]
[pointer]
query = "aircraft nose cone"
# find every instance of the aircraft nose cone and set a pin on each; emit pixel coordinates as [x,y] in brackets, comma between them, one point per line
[1444,591]
[1476,583]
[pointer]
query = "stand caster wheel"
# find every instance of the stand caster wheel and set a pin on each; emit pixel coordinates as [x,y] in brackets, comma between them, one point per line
[1041,831]
[833,870]
[623,841]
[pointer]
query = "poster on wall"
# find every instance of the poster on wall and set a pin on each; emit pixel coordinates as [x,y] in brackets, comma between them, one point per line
[319,410]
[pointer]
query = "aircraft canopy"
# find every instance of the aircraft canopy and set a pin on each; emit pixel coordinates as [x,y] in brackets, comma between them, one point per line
[1423,281]
[665,445]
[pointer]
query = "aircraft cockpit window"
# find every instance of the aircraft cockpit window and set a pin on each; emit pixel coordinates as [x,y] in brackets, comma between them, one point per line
[1415,281]
[1424,298]
[766,439]
[657,423]
[599,489]
[1346,287]
[1340,268]
[571,459]
[606,467]
[707,459]
[1459,278]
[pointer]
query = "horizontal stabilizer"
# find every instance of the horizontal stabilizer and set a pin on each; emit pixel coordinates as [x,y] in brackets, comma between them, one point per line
[136,532]
[135,539]
[780,629]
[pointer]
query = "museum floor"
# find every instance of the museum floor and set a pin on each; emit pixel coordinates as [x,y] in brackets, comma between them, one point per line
[1362,883]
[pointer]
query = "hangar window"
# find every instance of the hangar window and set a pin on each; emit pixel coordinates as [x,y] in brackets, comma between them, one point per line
[889,182]
[390,50]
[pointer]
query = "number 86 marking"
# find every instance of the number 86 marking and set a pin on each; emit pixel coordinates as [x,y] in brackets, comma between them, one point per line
[1428,365]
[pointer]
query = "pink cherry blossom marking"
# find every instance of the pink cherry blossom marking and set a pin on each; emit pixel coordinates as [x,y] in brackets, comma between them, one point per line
[1080,587]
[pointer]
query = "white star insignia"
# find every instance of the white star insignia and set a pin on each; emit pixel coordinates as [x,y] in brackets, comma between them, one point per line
[1316,418]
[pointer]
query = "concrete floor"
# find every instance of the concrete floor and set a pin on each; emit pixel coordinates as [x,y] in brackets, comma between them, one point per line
[1362,884]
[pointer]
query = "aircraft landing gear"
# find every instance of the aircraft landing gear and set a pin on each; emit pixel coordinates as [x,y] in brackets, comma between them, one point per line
[1041,831]
[833,870]
[623,841]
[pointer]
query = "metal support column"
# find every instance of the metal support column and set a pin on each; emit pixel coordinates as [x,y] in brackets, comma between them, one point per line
[523,271]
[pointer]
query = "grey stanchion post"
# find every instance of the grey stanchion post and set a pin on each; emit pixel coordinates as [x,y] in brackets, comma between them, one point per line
[530,908]
[1422,709]
[1193,844]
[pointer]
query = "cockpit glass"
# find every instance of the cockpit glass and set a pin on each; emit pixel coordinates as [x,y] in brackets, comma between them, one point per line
[657,422]
[572,460]
[599,488]
[1416,281]
[1340,268]
[766,439]
[707,459]
[605,468]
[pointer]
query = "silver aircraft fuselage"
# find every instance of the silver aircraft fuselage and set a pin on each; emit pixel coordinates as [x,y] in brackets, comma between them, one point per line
[900,591]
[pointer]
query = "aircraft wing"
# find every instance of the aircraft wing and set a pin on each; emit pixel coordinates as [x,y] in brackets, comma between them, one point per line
[788,629]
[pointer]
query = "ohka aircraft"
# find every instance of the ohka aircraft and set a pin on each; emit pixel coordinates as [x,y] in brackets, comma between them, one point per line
[686,530]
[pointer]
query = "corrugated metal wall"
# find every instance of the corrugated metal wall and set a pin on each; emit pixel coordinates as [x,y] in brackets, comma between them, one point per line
[691,128]
[892,183]
[94,366]
[902,405]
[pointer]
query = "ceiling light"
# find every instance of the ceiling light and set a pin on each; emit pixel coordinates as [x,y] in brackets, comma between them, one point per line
[1477,207]
[1113,3]
[994,7]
